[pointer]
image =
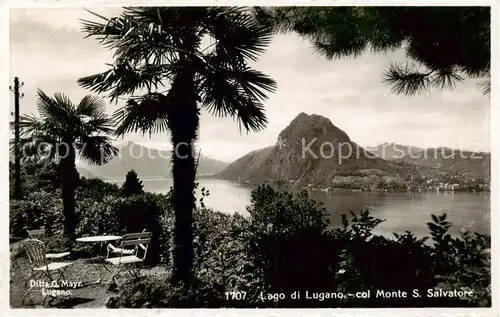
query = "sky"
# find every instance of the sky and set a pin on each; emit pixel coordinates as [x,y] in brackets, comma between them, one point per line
[48,51]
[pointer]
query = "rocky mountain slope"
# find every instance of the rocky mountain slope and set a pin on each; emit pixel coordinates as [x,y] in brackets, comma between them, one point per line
[312,151]
[452,160]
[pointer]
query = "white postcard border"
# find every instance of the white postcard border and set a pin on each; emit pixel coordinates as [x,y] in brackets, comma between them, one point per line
[5,98]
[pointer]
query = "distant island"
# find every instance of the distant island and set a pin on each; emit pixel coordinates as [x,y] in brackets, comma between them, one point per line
[311,152]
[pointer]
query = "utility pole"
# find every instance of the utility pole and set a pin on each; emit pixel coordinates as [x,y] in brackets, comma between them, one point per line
[17,153]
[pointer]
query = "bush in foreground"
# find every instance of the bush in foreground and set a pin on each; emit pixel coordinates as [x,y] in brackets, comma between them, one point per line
[39,209]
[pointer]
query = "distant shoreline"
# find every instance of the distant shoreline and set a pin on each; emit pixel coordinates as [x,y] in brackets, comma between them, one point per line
[310,188]
[285,185]
[122,179]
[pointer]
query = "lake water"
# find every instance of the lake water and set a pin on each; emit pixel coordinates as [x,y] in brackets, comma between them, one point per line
[401,211]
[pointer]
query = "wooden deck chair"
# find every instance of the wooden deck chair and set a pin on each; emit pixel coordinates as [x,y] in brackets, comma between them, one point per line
[41,268]
[132,251]
[127,251]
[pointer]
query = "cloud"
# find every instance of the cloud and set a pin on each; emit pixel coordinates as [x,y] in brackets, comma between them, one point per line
[58,19]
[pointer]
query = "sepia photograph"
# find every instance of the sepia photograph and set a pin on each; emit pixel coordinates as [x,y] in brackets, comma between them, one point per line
[250,157]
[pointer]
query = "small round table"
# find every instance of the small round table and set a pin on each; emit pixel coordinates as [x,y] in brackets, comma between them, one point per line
[101,240]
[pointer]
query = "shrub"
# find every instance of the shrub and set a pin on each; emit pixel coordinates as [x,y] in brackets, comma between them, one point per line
[159,292]
[100,216]
[384,264]
[290,245]
[463,262]
[166,220]
[95,189]
[220,251]
[35,177]
[132,184]
[58,243]
[18,218]
[39,209]
[408,263]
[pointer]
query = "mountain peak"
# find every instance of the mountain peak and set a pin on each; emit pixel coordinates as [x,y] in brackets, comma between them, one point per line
[301,116]
[314,125]
[315,118]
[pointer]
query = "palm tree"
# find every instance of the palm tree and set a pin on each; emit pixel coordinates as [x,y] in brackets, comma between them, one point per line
[61,133]
[199,57]
[443,45]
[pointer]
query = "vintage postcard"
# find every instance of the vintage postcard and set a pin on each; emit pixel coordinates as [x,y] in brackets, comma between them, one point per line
[251,157]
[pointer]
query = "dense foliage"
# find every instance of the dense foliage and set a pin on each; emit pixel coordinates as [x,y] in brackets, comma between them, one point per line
[285,245]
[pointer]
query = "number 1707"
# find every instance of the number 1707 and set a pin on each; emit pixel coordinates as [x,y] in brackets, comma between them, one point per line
[240,295]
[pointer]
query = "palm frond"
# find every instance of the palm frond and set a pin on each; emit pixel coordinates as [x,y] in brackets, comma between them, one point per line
[96,149]
[150,114]
[93,118]
[237,93]
[58,108]
[221,79]
[253,83]
[250,114]
[90,106]
[124,79]
[29,124]
[139,35]
[40,148]
[98,124]
[36,137]
[109,32]
[237,32]
[64,102]
[40,130]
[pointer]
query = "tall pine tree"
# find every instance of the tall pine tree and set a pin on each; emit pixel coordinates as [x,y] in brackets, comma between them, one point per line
[133,185]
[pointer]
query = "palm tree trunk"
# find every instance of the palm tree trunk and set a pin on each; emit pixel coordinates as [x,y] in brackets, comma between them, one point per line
[184,122]
[68,184]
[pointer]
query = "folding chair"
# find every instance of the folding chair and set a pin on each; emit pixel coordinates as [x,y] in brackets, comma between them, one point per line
[129,236]
[129,250]
[41,267]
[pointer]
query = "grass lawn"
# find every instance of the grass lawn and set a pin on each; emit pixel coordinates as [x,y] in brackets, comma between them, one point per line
[88,296]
